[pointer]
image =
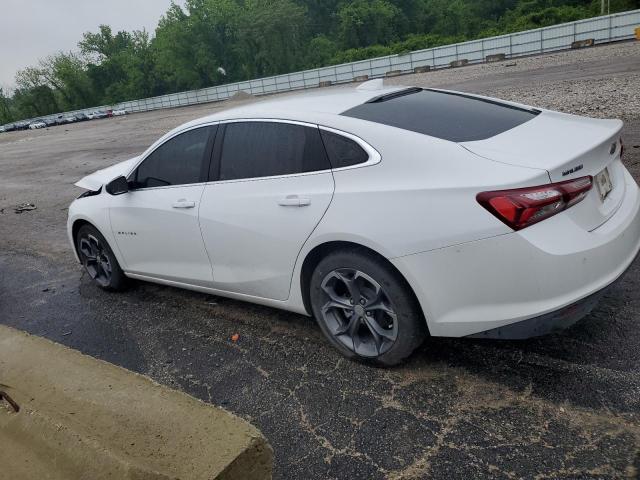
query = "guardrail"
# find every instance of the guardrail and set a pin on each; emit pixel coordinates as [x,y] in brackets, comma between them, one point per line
[604,29]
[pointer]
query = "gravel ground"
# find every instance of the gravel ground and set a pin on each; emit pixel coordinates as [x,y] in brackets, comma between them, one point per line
[595,89]
[563,406]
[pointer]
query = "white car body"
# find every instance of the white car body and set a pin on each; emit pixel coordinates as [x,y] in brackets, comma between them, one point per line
[118,113]
[413,202]
[36,125]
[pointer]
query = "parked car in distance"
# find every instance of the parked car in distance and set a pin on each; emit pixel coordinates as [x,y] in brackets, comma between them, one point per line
[10,127]
[98,114]
[22,125]
[50,122]
[37,124]
[81,117]
[64,119]
[118,113]
[387,213]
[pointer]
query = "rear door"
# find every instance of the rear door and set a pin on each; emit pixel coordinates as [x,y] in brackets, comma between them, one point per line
[156,223]
[272,183]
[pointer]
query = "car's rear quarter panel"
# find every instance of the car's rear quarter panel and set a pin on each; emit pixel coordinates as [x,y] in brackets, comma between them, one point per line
[477,286]
[420,197]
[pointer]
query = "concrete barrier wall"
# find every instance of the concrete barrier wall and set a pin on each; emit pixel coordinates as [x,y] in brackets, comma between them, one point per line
[78,417]
[604,29]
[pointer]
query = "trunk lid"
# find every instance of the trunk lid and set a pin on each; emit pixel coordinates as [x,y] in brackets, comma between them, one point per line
[567,147]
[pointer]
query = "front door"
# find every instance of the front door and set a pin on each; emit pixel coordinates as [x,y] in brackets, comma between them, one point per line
[156,223]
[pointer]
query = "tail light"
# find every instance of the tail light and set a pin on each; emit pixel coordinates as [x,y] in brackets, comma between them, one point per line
[522,207]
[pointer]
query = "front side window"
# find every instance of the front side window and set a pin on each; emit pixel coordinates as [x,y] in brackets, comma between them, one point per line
[178,161]
[266,149]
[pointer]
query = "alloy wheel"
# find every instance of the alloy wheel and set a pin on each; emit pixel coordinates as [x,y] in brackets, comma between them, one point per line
[95,260]
[358,312]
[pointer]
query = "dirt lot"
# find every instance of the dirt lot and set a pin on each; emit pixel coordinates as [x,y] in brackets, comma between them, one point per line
[563,406]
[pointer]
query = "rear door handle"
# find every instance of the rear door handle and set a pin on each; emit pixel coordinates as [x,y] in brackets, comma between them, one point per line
[294,201]
[183,203]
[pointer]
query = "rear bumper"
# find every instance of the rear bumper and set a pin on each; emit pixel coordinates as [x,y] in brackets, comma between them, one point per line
[548,323]
[549,274]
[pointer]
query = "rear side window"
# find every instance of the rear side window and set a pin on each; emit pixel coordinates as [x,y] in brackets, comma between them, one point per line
[342,151]
[266,149]
[449,116]
[178,161]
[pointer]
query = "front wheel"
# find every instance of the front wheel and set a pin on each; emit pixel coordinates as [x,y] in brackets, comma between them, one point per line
[365,308]
[98,259]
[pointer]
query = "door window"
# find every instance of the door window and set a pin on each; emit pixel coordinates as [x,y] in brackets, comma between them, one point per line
[265,149]
[178,161]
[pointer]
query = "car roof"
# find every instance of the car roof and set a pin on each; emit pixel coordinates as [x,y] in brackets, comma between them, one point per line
[307,106]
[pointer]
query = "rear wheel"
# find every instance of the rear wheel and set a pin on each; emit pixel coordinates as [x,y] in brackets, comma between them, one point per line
[365,308]
[98,259]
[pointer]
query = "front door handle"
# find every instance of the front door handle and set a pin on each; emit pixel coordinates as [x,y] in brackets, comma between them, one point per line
[184,203]
[294,201]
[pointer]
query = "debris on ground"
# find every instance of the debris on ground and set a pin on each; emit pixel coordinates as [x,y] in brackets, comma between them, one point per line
[241,95]
[25,207]
[10,401]
[235,337]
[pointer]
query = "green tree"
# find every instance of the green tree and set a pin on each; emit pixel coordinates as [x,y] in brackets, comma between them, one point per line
[362,23]
[271,37]
[210,42]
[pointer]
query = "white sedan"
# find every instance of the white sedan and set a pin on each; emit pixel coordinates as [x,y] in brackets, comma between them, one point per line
[386,213]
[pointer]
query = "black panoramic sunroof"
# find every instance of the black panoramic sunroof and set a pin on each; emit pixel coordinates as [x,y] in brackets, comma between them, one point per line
[451,116]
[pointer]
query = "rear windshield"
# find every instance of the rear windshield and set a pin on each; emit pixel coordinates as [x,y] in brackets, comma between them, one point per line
[450,116]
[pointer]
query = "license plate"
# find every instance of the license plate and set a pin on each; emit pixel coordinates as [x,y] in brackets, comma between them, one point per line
[603,182]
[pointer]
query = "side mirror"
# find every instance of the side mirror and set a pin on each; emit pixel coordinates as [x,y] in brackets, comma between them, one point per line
[118,186]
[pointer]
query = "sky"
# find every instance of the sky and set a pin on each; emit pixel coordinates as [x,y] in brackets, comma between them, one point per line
[33,29]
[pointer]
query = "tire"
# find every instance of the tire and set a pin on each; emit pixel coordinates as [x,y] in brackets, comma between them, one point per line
[365,308]
[98,259]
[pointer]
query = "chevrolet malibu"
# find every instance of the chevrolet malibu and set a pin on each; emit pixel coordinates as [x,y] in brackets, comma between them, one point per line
[387,213]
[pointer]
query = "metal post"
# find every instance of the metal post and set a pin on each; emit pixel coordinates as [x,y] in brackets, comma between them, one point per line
[610,28]
[541,41]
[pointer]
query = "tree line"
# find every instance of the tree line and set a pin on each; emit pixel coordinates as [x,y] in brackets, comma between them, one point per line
[211,42]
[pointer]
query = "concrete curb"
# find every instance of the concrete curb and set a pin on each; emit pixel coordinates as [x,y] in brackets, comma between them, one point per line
[84,418]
